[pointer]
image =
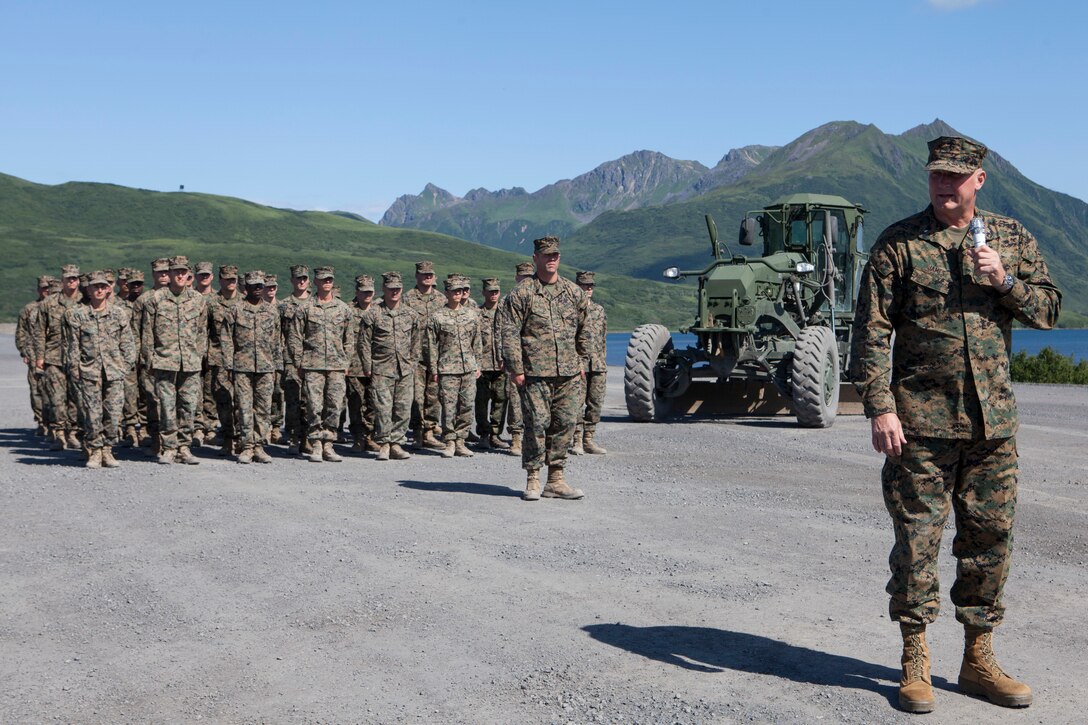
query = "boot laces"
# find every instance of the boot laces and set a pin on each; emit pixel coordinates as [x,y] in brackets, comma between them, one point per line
[915,665]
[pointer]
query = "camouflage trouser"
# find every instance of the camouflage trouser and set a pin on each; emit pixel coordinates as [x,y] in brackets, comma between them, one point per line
[426,408]
[60,403]
[179,395]
[323,391]
[457,393]
[223,392]
[392,407]
[277,400]
[102,404]
[514,424]
[978,480]
[150,398]
[595,385]
[490,402]
[360,407]
[208,415]
[550,407]
[253,398]
[294,419]
[131,414]
[35,382]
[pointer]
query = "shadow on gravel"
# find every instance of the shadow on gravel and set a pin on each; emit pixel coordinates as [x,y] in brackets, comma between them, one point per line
[482,489]
[704,649]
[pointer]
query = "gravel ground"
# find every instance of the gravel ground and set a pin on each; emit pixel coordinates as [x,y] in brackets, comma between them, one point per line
[716,572]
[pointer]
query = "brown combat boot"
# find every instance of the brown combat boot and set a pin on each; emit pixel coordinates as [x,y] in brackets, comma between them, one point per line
[383,452]
[448,450]
[108,461]
[246,456]
[915,686]
[167,456]
[260,455]
[128,437]
[94,459]
[590,445]
[981,675]
[532,486]
[515,444]
[431,442]
[186,456]
[557,486]
[72,442]
[57,444]
[198,438]
[372,446]
[460,449]
[576,448]
[397,453]
[329,453]
[275,436]
[498,444]
[417,437]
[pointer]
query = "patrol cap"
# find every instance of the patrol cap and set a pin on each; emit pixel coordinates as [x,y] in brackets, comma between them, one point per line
[392,280]
[270,281]
[111,276]
[54,286]
[83,280]
[123,273]
[324,273]
[162,264]
[364,283]
[525,269]
[136,276]
[456,282]
[425,266]
[585,278]
[98,277]
[228,271]
[299,270]
[546,245]
[179,262]
[255,278]
[69,270]
[45,280]
[490,284]
[204,268]
[955,154]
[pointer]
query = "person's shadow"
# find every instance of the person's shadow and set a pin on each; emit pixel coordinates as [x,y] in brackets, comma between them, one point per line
[482,489]
[704,649]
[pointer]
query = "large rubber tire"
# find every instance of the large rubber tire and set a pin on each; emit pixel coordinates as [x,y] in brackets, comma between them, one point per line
[645,347]
[814,377]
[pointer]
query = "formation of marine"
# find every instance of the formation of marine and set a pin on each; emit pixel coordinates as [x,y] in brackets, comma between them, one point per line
[188,364]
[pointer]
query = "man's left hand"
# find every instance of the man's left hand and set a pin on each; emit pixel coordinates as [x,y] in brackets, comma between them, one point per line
[988,264]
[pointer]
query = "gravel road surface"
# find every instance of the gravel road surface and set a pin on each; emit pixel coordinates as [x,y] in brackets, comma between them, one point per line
[716,572]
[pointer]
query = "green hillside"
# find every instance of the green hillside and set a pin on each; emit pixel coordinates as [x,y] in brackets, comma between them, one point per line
[103,225]
[883,172]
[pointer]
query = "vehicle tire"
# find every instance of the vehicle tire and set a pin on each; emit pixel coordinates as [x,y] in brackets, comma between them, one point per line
[814,378]
[647,344]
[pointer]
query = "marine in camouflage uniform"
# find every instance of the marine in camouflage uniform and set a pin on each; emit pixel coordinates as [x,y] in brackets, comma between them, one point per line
[491,385]
[160,276]
[942,409]
[60,399]
[271,285]
[100,350]
[360,395]
[25,337]
[453,355]
[425,299]
[135,411]
[596,370]
[174,338]
[207,417]
[389,343]
[250,338]
[319,338]
[514,423]
[294,416]
[219,306]
[544,338]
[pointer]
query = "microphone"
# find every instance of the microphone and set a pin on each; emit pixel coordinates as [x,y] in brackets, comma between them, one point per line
[978,232]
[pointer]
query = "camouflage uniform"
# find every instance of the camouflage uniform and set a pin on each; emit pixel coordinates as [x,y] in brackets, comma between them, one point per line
[318,339]
[100,350]
[294,416]
[250,340]
[491,385]
[144,377]
[174,334]
[514,423]
[360,394]
[276,418]
[389,348]
[453,353]
[208,416]
[219,307]
[60,399]
[426,408]
[594,363]
[948,380]
[544,337]
[25,335]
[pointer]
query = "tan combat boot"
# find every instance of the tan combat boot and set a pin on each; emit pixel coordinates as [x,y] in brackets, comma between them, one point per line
[497,444]
[198,438]
[260,455]
[590,445]
[557,486]
[430,441]
[372,446]
[532,486]
[460,449]
[57,444]
[94,459]
[167,456]
[108,461]
[576,448]
[915,686]
[246,456]
[449,450]
[397,453]
[73,443]
[275,436]
[305,448]
[186,456]
[515,444]
[129,439]
[981,675]
[329,453]
[383,452]
[316,449]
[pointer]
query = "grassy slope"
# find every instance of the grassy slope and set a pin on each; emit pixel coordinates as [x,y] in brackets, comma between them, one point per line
[102,225]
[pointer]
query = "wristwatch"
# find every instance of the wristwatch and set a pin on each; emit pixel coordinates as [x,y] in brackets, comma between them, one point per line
[1007,284]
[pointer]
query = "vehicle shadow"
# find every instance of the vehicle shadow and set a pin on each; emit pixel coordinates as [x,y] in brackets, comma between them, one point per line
[705,649]
[481,489]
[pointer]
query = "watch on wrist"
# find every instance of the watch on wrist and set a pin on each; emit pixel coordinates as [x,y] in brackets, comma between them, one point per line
[1007,284]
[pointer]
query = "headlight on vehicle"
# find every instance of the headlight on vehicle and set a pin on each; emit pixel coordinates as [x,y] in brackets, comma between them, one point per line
[673,273]
[805,267]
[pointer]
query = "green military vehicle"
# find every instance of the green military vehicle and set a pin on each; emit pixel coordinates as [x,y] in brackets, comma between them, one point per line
[773,331]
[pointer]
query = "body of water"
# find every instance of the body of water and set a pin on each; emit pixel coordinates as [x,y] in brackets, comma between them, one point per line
[1066,342]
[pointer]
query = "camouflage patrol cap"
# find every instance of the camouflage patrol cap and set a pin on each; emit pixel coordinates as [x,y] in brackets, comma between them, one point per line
[299,270]
[392,280]
[270,281]
[546,245]
[490,284]
[83,280]
[364,283]
[525,269]
[204,267]
[585,278]
[255,278]
[324,273]
[457,281]
[162,264]
[69,270]
[425,266]
[45,280]
[111,276]
[54,286]
[98,277]
[135,275]
[228,271]
[179,262]
[955,154]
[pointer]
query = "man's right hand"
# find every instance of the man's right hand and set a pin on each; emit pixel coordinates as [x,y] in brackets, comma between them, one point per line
[519,380]
[888,435]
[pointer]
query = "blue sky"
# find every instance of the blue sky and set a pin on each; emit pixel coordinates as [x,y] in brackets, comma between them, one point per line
[347,105]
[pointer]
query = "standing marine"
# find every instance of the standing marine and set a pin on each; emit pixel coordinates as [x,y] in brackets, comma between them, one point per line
[25,335]
[60,399]
[452,355]
[596,370]
[425,299]
[491,385]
